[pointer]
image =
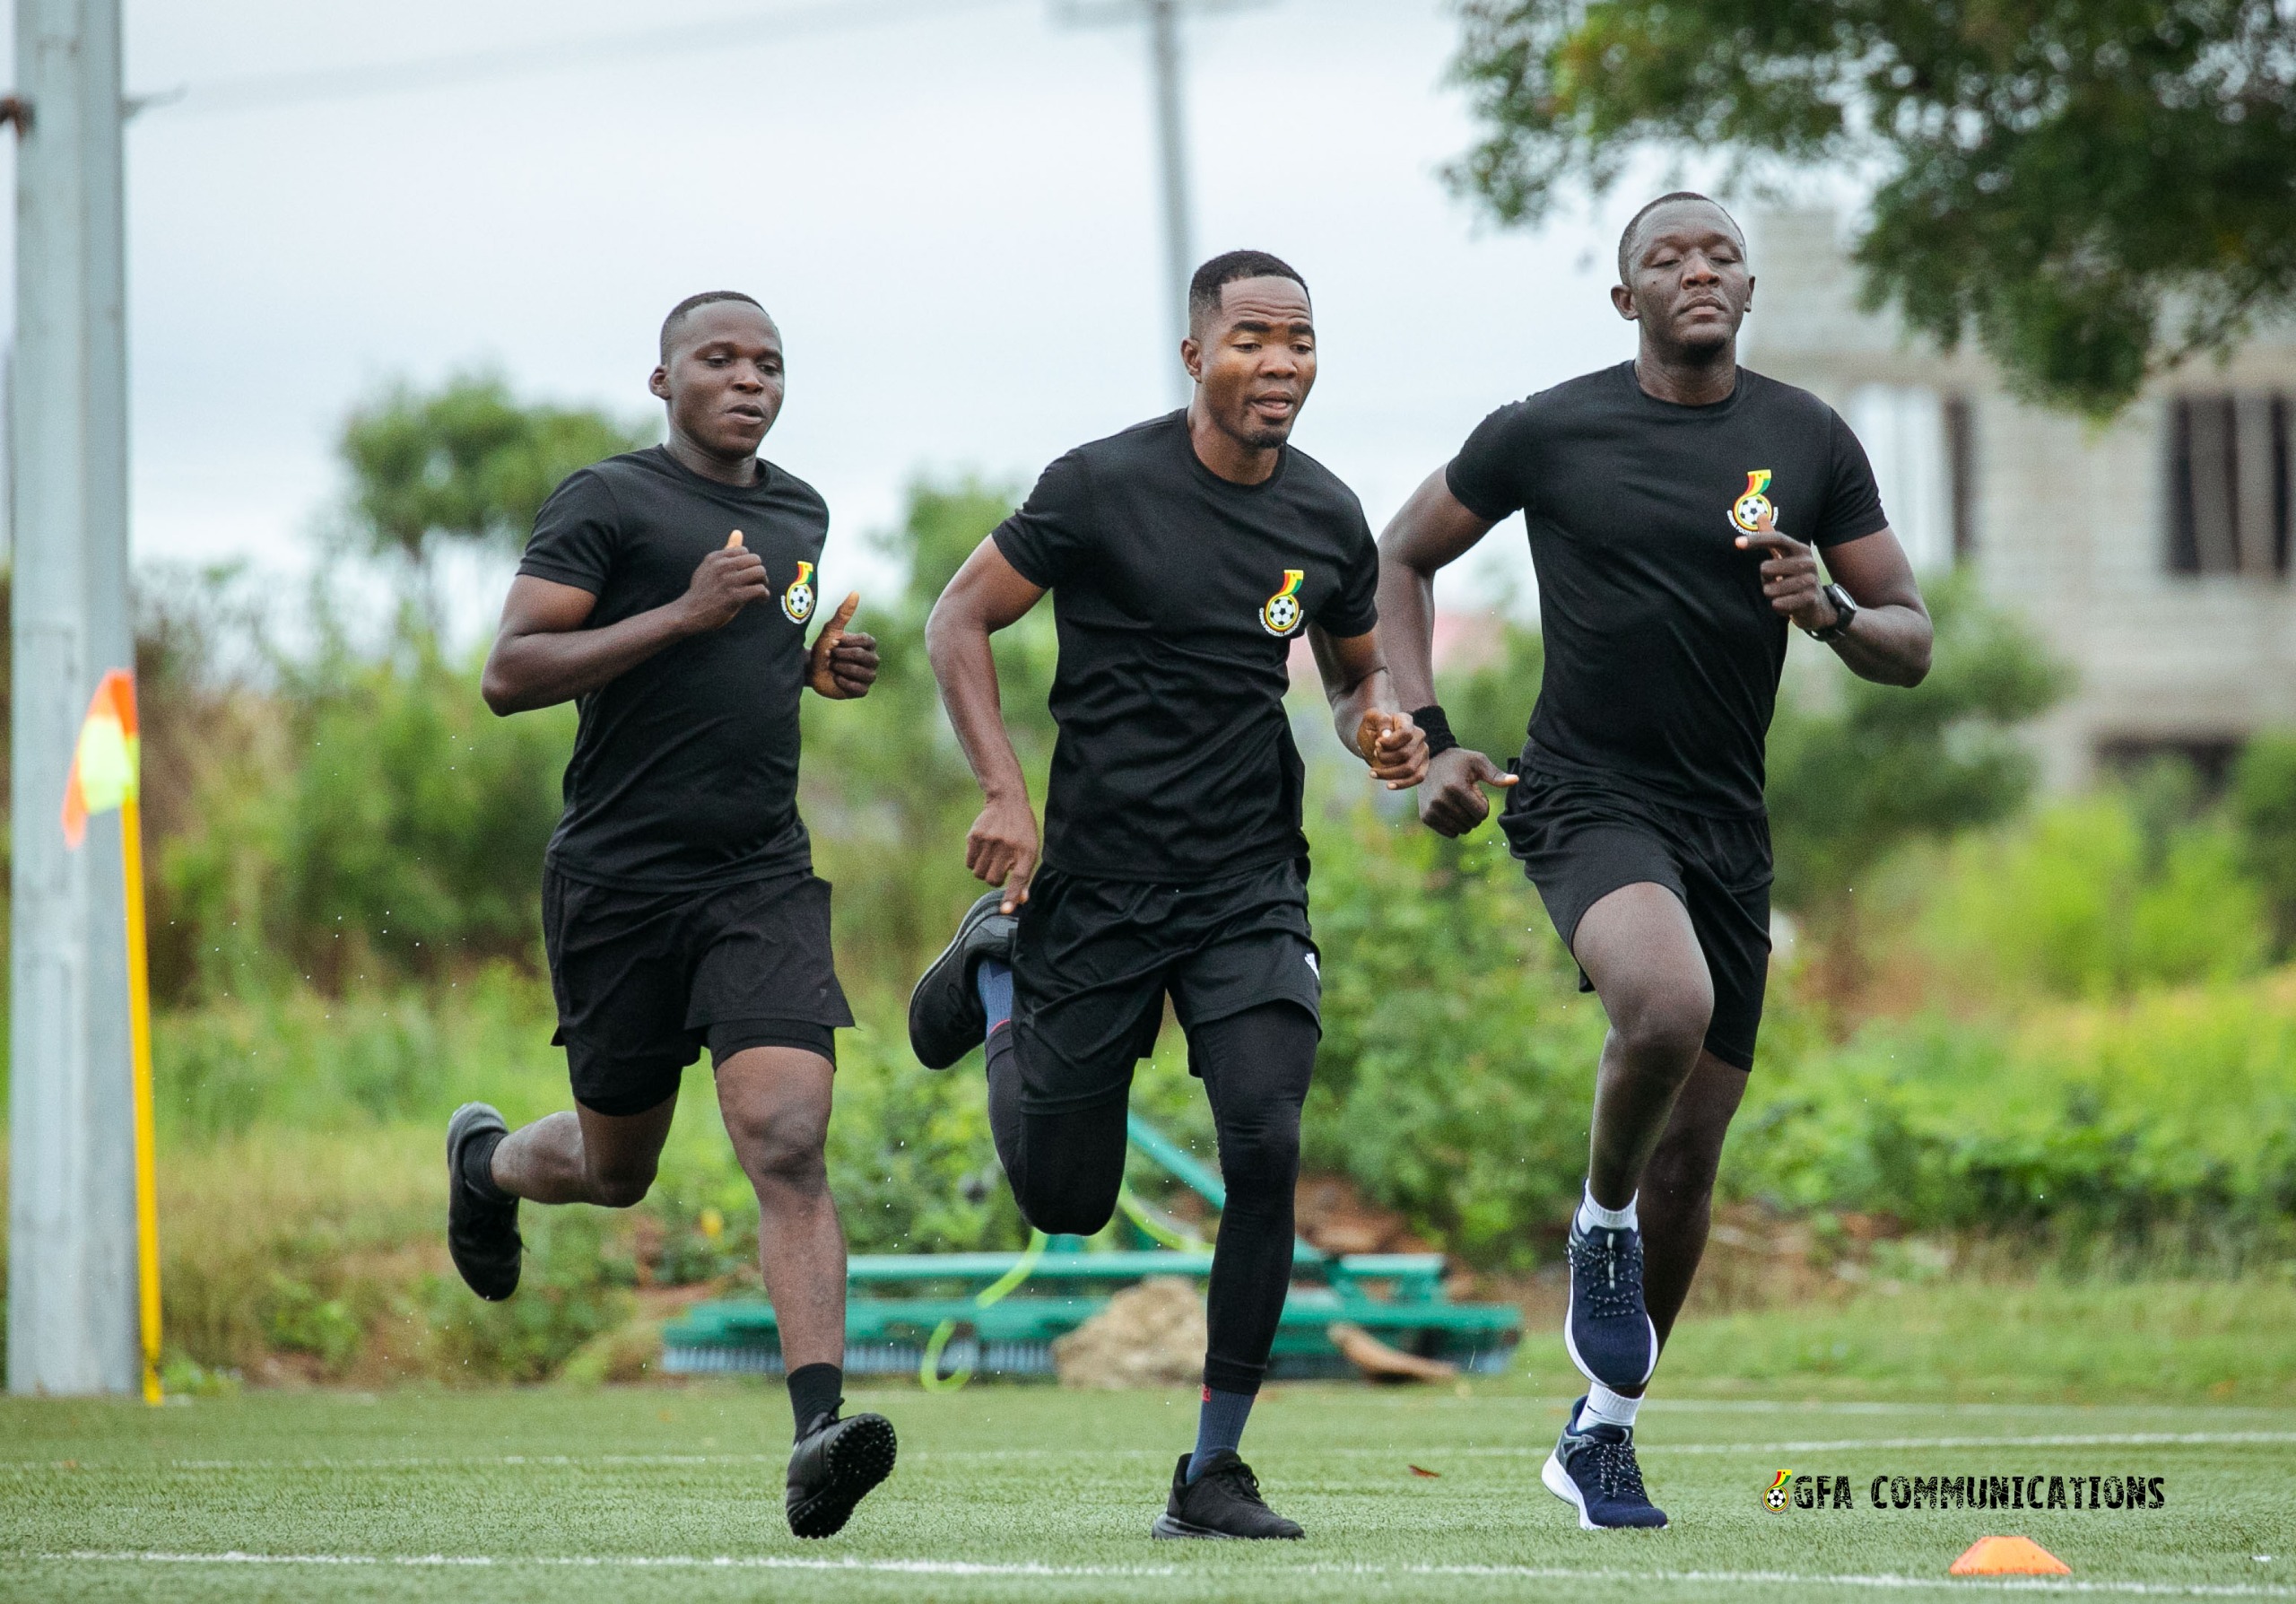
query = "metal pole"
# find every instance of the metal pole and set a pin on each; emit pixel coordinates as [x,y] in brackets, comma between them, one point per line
[1171,143]
[72,1299]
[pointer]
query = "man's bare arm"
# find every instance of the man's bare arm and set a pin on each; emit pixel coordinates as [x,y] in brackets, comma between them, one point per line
[1428,532]
[988,594]
[1890,641]
[1363,707]
[1432,529]
[543,656]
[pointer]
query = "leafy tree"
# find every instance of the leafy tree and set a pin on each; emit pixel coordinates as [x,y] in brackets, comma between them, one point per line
[886,791]
[1884,765]
[2097,188]
[467,461]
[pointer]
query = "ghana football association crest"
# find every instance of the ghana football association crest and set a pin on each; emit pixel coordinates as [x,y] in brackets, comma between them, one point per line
[1776,1498]
[797,601]
[1747,512]
[1281,614]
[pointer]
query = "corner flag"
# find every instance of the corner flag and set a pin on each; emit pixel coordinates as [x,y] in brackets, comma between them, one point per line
[106,774]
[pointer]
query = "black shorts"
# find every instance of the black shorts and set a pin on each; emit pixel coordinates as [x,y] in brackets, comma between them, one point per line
[1094,959]
[1581,839]
[645,979]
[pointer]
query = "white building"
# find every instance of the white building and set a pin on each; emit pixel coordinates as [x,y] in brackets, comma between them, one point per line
[2152,553]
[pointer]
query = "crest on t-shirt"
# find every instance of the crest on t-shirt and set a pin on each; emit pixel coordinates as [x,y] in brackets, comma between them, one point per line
[797,601]
[1281,614]
[1749,510]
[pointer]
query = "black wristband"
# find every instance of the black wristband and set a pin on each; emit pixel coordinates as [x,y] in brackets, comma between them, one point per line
[1438,729]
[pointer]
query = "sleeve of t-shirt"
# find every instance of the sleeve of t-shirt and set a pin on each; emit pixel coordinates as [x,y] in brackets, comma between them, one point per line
[1486,477]
[1354,608]
[1853,507]
[1053,530]
[576,535]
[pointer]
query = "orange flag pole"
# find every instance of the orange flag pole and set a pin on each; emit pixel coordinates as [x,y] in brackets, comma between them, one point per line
[106,774]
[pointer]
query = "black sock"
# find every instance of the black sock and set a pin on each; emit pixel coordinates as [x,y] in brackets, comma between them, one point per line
[815,1391]
[478,1166]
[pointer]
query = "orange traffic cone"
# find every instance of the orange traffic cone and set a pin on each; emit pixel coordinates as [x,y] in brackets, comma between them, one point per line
[2008,1556]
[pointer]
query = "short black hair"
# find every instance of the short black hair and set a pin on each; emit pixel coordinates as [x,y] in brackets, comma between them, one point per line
[1212,279]
[678,312]
[1634,224]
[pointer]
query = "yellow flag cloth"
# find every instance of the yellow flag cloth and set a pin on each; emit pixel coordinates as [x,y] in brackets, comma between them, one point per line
[106,762]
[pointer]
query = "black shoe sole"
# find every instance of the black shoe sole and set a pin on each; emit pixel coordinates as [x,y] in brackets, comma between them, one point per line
[862,1456]
[484,1274]
[1169,1526]
[938,1044]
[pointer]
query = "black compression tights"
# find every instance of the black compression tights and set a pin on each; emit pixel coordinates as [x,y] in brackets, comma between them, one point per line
[1065,1169]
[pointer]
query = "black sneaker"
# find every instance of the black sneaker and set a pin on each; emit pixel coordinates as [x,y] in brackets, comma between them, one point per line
[482,1234]
[1594,1471]
[1224,1502]
[833,1469]
[1608,1330]
[945,1018]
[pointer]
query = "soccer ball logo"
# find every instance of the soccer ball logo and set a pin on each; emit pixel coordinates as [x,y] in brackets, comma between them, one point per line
[797,601]
[1747,512]
[1282,613]
[1775,1500]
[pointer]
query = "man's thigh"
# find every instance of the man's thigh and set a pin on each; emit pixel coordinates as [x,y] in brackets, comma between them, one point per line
[621,978]
[1248,944]
[1090,962]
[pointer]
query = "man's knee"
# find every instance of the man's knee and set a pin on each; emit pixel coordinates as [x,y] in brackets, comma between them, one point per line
[1069,1206]
[621,1188]
[1663,1022]
[1260,1158]
[781,1149]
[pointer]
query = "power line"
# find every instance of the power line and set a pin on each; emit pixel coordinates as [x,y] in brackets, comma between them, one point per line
[262,91]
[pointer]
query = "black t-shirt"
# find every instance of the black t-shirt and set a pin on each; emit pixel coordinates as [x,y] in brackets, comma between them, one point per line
[1178,596]
[684,774]
[1662,653]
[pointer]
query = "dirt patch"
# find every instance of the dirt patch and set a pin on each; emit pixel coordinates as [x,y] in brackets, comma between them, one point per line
[1152,1335]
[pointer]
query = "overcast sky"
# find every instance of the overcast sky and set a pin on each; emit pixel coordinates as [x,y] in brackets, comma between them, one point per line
[950,208]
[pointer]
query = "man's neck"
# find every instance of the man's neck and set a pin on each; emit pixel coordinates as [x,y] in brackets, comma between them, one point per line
[1230,459]
[1686,379]
[741,471]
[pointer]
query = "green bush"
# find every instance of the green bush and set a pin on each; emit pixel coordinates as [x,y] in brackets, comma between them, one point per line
[2077,902]
[2108,1121]
[1457,1071]
[575,1286]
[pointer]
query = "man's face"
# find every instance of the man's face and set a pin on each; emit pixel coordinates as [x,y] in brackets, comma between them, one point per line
[1687,282]
[723,377]
[1255,359]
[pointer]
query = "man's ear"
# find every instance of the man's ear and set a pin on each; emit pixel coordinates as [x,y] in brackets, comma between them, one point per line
[1622,298]
[1750,296]
[1192,358]
[657,383]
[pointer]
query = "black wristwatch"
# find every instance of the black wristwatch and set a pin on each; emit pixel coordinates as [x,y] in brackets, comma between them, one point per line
[1843,611]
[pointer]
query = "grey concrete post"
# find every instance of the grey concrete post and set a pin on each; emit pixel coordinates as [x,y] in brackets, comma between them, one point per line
[71,1259]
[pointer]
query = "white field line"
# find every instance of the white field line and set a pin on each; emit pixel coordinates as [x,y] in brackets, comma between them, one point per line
[1540,1449]
[954,1568]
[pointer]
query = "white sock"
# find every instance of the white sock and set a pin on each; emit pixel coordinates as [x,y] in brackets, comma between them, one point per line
[1606,1407]
[1592,1213]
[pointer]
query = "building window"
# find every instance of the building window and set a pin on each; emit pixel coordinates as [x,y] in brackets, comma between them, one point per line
[1922,449]
[2229,485]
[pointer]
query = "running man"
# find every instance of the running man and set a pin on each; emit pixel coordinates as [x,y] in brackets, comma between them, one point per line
[668,592]
[1675,505]
[1187,554]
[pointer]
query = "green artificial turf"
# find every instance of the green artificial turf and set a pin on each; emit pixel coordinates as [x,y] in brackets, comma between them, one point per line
[1031,1493]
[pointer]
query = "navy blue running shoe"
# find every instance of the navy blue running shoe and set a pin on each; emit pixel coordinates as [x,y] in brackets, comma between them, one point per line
[1609,1331]
[1595,1472]
[945,1018]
